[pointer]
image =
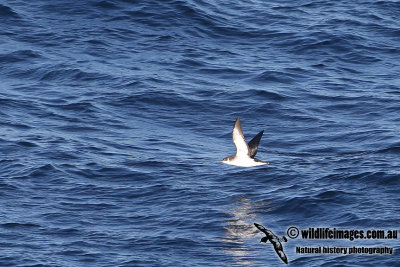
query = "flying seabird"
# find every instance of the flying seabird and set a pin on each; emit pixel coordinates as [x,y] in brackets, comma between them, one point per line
[244,152]
[275,241]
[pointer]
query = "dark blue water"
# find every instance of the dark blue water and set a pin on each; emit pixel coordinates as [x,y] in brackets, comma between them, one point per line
[113,115]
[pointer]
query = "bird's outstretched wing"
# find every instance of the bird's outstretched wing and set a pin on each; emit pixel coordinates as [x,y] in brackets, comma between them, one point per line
[253,144]
[281,254]
[262,228]
[242,149]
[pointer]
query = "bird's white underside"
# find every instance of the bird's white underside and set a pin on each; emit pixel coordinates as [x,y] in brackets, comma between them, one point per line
[244,161]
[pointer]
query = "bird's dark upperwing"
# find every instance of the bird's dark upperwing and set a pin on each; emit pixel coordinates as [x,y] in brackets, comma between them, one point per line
[281,254]
[253,144]
[260,227]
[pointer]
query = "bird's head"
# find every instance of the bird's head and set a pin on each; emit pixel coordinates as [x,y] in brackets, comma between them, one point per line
[225,160]
[264,239]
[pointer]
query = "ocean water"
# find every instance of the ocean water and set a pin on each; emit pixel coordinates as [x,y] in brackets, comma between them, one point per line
[113,115]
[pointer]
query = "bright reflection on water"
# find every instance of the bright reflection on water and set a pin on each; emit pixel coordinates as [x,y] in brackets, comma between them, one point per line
[241,237]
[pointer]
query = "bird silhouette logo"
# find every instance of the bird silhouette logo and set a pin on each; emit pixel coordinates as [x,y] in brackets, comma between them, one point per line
[274,240]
